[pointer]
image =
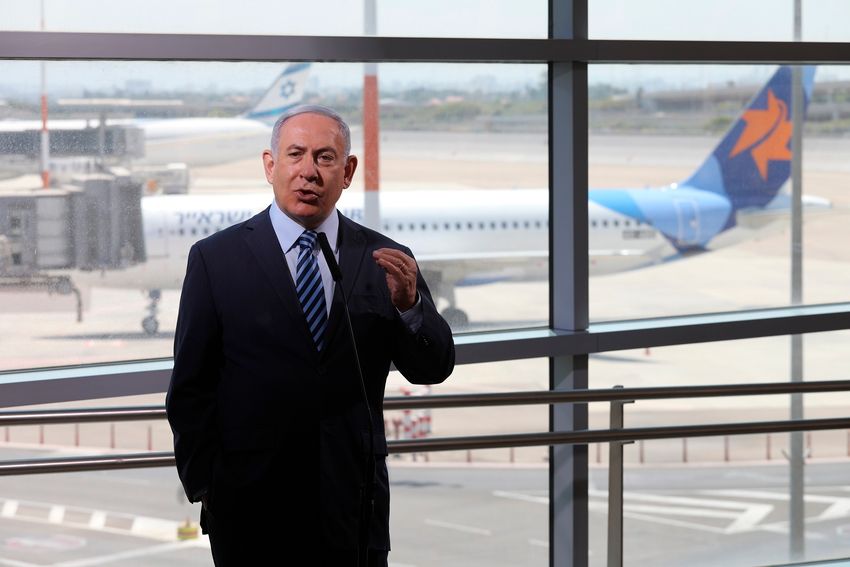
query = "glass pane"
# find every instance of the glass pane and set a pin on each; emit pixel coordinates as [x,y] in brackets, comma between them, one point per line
[129,517]
[701,501]
[483,507]
[405,18]
[701,158]
[463,175]
[721,20]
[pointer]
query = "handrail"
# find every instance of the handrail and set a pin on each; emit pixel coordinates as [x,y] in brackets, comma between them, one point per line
[146,460]
[441,401]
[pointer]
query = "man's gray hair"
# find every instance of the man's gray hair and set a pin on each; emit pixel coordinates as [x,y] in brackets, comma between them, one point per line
[311,109]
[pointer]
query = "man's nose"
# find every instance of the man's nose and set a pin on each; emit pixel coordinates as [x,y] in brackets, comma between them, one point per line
[309,170]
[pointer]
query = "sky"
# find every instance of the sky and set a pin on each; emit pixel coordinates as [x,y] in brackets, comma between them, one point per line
[823,20]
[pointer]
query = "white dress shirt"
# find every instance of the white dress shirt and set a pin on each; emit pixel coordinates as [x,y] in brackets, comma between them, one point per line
[288,231]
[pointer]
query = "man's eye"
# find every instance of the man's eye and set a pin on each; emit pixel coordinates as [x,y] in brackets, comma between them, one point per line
[326,158]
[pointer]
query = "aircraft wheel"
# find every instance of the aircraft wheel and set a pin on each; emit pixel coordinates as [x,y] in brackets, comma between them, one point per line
[456,318]
[150,325]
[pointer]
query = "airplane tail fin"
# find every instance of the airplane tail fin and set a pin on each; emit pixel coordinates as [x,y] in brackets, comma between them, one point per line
[286,92]
[753,160]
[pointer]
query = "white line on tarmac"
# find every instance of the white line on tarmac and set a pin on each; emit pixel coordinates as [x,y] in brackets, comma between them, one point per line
[839,507]
[143,552]
[10,508]
[672,522]
[459,527]
[97,521]
[13,563]
[56,515]
[520,496]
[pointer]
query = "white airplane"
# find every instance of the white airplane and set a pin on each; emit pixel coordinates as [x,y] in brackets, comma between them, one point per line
[496,235]
[286,91]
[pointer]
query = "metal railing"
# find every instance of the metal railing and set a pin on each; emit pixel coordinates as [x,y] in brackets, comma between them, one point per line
[617,435]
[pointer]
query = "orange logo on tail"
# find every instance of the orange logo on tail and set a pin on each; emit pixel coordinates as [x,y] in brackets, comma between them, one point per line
[767,133]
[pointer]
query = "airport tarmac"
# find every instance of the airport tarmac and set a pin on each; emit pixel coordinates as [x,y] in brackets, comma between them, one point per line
[446,515]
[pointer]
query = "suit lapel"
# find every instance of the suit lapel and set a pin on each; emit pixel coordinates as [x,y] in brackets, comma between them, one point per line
[352,246]
[263,244]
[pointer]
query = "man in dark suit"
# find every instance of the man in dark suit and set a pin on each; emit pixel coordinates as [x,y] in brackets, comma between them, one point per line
[270,425]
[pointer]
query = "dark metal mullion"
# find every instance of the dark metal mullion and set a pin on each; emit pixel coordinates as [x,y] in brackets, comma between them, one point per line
[568,273]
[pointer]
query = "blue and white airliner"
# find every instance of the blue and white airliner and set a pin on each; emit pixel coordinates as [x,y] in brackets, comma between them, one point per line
[475,237]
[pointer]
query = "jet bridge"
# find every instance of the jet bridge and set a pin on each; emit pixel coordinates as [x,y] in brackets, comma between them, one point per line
[93,223]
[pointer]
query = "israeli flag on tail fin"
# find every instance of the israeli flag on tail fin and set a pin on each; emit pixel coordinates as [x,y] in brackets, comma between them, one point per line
[753,160]
[287,91]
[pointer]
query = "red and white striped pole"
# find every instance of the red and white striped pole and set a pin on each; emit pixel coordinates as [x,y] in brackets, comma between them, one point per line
[371,127]
[45,136]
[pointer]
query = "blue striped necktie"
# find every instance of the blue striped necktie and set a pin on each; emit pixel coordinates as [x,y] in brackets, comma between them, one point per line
[308,285]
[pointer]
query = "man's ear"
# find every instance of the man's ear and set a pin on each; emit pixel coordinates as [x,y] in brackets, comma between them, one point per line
[268,165]
[350,168]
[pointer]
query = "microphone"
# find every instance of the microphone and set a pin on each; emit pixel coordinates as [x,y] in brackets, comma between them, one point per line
[336,274]
[367,503]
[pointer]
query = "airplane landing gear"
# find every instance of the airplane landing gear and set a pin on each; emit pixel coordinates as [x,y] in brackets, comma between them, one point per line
[444,289]
[456,318]
[150,324]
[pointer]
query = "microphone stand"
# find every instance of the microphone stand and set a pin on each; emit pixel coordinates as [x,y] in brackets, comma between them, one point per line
[367,486]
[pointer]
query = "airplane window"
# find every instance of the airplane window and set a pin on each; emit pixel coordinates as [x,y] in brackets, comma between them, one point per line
[481,226]
[400,227]
[180,232]
[194,232]
[412,226]
[447,226]
[386,226]
[516,224]
[424,226]
[206,230]
[605,223]
[469,225]
[493,225]
[615,222]
[435,226]
[504,224]
[526,224]
[537,224]
[458,225]
[626,223]
[593,224]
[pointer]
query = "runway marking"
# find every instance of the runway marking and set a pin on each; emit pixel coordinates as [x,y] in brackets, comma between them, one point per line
[459,527]
[142,552]
[671,510]
[839,507]
[10,508]
[97,520]
[56,515]
[13,563]
[522,497]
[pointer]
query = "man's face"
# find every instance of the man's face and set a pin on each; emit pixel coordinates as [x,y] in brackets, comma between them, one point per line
[310,169]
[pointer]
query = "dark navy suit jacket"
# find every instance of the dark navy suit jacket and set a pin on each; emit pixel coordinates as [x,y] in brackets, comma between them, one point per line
[264,422]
